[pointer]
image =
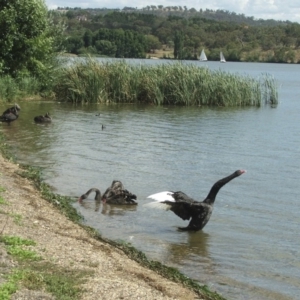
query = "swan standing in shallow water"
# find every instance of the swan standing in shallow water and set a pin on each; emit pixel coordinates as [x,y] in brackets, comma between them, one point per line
[187,208]
[115,194]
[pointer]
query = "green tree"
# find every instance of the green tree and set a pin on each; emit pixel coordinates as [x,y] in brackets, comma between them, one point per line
[88,38]
[152,42]
[26,37]
[73,44]
[106,47]
[178,45]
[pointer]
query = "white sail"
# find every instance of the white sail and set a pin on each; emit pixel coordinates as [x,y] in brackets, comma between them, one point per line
[222,58]
[203,56]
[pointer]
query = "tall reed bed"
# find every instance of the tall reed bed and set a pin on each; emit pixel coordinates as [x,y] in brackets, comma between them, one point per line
[163,84]
[16,88]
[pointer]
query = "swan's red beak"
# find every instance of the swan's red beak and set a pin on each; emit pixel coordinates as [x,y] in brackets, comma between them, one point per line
[104,200]
[80,200]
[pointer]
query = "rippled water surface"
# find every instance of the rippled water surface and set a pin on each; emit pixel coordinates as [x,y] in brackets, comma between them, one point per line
[250,247]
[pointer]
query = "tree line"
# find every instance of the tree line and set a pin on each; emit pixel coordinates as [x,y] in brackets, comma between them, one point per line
[133,33]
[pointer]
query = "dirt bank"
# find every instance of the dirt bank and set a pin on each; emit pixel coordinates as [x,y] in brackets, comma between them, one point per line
[111,273]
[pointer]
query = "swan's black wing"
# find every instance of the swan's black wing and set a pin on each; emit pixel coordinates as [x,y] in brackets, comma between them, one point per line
[8,117]
[198,212]
[200,215]
[182,197]
[182,205]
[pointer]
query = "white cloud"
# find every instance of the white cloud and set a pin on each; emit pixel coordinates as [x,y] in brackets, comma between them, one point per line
[259,9]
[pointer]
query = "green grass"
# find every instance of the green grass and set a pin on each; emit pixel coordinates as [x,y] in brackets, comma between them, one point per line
[34,274]
[11,285]
[17,218]
[62,283]
[2,201]
[15,247]
[89,81]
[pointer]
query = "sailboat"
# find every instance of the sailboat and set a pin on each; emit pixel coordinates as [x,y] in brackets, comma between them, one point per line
[222,58]
[203,56]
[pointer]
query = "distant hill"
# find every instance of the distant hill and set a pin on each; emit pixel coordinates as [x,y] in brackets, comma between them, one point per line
[183,11]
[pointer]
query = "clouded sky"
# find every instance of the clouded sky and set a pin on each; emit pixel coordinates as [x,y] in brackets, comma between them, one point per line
[259,9]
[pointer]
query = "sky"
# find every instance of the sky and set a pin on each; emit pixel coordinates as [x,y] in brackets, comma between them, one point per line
[259,9]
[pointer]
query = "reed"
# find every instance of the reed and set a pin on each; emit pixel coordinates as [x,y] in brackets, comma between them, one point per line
[164,84]
[270,92]
[17,88]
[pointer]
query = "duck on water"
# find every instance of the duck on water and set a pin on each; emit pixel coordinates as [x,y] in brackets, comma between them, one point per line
[115,194]
[189,209]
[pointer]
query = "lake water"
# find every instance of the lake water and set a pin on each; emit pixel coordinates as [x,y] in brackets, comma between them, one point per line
[250,248]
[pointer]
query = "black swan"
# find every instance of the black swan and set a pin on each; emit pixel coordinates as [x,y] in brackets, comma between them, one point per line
[11,114]
[43,119]
[115,194]
[187,208]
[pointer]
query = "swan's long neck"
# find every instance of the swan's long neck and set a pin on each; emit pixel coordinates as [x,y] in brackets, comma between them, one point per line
[210,199]
[97,191]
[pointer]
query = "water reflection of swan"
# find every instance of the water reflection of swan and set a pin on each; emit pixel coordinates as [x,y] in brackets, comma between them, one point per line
[115,194]
[192,253]
[114,210]
[196,244]
[107,209]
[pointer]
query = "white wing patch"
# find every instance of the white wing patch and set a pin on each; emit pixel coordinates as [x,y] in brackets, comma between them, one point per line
[158,205]
[162,196]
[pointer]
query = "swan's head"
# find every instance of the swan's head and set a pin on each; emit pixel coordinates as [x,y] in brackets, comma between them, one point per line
[240,172]
[81,198]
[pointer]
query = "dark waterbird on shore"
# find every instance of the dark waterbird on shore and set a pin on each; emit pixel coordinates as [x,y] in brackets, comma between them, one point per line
[43,119]
[115,194]
[189,209]
[11,114]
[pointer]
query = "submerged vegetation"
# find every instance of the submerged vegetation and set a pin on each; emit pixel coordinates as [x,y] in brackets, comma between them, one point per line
[164,84]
